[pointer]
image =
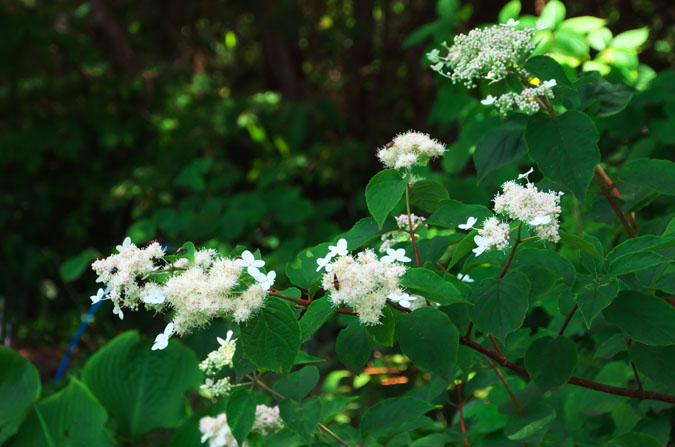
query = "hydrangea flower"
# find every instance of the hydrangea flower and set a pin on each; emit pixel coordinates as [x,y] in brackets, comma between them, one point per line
[100,294]
[339,249]
[162,340]
[465,277]
[402,233]
[215,362]
[325,263]
[470,222]
[403,299]
[218,433]
[409,149]
[249,261]
[493,234]
[265,280]
[397,255]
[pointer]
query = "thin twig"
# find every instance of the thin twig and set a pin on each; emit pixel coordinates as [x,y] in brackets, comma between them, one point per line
[302,302]
[460,405]
[412,232]
[513,252]
[605,192]
[567,320]
[506,385]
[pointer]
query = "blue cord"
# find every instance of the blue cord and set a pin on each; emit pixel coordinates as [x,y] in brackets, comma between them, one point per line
[76,338]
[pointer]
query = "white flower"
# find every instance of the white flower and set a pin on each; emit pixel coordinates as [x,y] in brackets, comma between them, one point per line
[98,297]
[118,311]
[339,249]
[248,260]
[550,83]
[465,277]
[227,340]
[125,244]
[155,296]
[481,245]
[540,25]
[324,262]
[403,299]
[162,340]
[469,223]
[395,255]
[265,281]
[524,175]
[540,220]
[489,100]
[511,22]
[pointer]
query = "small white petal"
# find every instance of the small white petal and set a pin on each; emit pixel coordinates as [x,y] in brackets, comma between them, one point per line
[489,100]
[540,220]
[511,22]
[155,296]
[168,330]
[550,83]
[524,175]
[470,222]
[541,24]
[329,268]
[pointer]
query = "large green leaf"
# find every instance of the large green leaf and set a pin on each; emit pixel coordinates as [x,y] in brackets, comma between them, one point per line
[383,333]
[657,362]
[547,259]
[546,68]
[593,298]
[500,306]
[19,388]
[453,213]
[240,413]
[650,173]
[318,312]
[431,286]
[298,384]
[429,338]
[354,346]
[363,231]
[394,411]
[428,195]
[302,270]
[70,418]
[635,440]
[271,339]
[500,147]
[565,148]
[529,427]
[383,192]
[301,418]
[550,361]
[142,389]
[645,318]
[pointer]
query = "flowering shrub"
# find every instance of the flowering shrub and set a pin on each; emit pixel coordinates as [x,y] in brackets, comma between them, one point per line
[565,323]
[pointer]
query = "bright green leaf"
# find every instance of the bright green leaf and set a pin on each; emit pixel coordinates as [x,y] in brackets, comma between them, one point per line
[431,286]
[240,413]
[383,193]
[595,297]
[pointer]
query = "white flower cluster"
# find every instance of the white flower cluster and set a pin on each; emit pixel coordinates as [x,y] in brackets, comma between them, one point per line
[215,362]
[492,53]
[209,287]
[409,149]
[218,433]
[537,209]
[364,283]
[402,233]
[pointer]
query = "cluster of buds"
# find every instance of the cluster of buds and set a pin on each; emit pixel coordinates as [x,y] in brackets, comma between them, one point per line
[402,233]
[409,149]
[214,363]
[219,434]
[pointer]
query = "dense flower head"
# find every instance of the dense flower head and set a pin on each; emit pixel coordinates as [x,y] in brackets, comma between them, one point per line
[218,433]
[409,149]
[363,283]
[527,203]
[493,234]
[528,100]
[402,233]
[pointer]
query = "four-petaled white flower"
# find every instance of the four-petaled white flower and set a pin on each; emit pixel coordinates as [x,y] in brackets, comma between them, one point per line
[395,255]
[550,83]
[162,340]
[98,297]
[324,263]
[155,296]
[465,277]
[249,261]
[125,244]
[540,220]
[339,249]
[117,310]
[403,299]
[470,222]
[265,281]
[481,245]
[524,175]
[511,22]
[228,338]
[489,100]
[540,25]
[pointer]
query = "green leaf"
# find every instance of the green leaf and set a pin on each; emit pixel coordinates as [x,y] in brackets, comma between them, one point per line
[301,418]
[550,361]
[240,413]
[634,262]
[565,148]
[394,411]
[142,389]
[298,384]
[500,306]
[635,440]
[284,438]
[316,315]
[363,231]
[500,147]
[574,241]
[595,297]
[271,339]
[602,98]
[431,286]
[657,362]
[582,24]
[428,194]
[631,39]
[19,388]
[547,259]
[600,38]
[71,417]
[453,213]
[645,318]
[464,247]
[546,68]
[429,339]
[509,11]
[75,266]
[302,270]
[553,13]
[383,192]
[532,424]
[354,346]
[650,173]
[383,333]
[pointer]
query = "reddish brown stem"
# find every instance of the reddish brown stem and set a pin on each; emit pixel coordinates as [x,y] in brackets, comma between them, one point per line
[302,302]
[460,405]
[468,331]
[494,343]
[605,192]
[567,320]
[508,388]
[635,373]
[412,232]
[513,252]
